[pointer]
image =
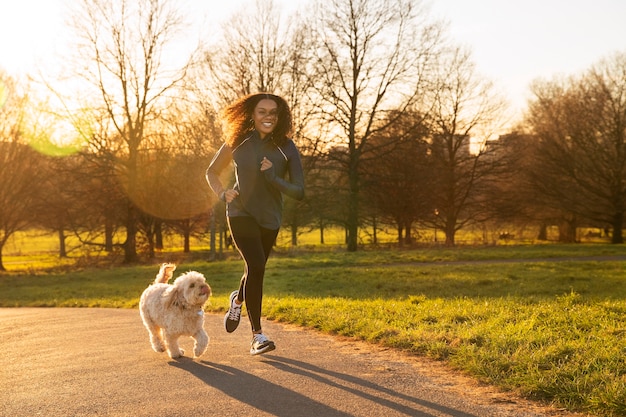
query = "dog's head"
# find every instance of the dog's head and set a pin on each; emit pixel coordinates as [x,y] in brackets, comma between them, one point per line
[191,290]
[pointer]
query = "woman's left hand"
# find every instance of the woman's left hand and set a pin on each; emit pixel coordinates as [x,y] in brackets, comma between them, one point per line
[265,164]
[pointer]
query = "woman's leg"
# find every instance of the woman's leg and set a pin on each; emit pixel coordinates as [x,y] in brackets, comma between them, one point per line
[255,244]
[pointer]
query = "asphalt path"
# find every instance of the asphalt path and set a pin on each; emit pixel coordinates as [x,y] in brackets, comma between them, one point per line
[98,362]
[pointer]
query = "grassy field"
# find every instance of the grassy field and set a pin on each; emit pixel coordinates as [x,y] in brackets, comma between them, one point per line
[550,328]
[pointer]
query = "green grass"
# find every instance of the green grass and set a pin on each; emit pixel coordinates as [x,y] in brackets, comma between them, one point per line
[552,331]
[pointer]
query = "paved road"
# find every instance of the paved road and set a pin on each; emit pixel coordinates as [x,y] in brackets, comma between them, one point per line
[98,362]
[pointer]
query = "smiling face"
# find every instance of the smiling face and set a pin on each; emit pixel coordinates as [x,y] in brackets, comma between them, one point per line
[265,116]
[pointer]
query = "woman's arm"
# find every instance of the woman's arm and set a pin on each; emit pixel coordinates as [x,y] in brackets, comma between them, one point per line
[220,161]
[293,188]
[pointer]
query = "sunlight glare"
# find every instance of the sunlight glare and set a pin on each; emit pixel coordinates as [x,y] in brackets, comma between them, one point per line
[55,138]
[4,94]
[44,144]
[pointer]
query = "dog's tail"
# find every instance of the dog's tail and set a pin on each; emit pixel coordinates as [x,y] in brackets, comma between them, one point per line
[165,273]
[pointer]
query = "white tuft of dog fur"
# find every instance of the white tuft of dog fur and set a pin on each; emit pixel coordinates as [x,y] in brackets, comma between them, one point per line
[165,273]
[170,311]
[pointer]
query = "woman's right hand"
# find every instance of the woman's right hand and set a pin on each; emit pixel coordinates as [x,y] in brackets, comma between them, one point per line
[230,195]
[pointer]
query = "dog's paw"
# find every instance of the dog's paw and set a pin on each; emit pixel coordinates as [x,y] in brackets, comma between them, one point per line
[199,350]
[156,341]
[158,347]
[174,355]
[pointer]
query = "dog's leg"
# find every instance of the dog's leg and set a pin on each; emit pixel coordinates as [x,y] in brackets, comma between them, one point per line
[171,341]
[157,341]
[201,342]
[155,333]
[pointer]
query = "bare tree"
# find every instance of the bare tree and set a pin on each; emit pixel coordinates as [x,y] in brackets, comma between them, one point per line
[580,124]
[120,46]
[58,206]
[397,162]
[371,57]
[324,184]
[251,56]
[511,201]
[465,108]
[22,170]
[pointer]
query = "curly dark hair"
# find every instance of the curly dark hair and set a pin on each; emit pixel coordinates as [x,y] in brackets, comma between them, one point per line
[238,115]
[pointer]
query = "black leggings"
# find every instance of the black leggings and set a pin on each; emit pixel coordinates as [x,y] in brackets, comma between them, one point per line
[255,244]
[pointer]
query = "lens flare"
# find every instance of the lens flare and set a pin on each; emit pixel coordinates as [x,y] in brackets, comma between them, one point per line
[47,146]
[54,136]
[4,94]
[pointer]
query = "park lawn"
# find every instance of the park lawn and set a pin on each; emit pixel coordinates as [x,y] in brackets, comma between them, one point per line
[552,331]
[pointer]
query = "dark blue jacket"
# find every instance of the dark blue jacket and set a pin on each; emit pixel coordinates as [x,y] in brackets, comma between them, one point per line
[260,192]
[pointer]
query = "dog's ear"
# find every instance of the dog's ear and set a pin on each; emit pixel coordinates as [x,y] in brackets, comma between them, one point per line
[173,297]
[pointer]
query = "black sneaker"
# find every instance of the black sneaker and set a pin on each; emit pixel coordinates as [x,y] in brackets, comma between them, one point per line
[233,315]
[261,344]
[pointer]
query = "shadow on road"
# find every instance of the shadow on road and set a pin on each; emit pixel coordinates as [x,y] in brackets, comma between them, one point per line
[281,401]
[360,387]
[254,391]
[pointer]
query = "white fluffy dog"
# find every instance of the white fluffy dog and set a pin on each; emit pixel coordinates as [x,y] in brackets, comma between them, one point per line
[171,311]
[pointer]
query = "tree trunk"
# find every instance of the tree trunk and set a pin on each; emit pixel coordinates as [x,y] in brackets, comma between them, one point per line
[567,231]
[2,268]
[618,224]
[353,214]
[130,246]
[294,235]
[62,250]
[408,239]
[212,235]
[450,232]
[108,236]
[294,221]
[158,234]
[374,234]
[543,232]
[187,246]
[150,236]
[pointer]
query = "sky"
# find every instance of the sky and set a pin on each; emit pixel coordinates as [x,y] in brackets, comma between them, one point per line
[513,41]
